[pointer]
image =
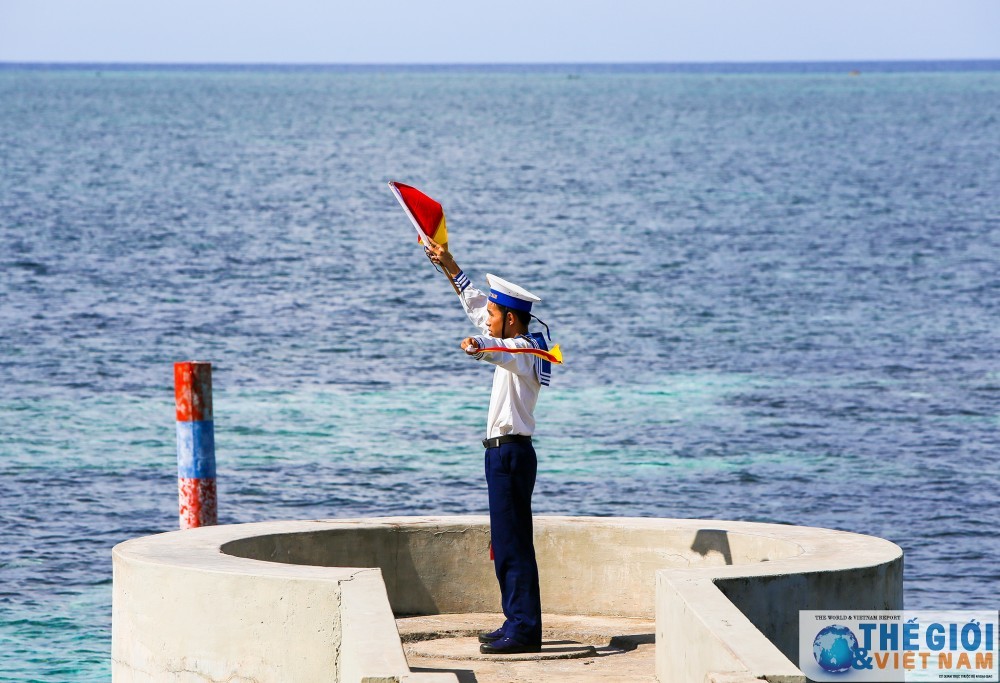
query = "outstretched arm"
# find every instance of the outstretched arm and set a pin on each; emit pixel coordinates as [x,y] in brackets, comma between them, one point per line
[519,364]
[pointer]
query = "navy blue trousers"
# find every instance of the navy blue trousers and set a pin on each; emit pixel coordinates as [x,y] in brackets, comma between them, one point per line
[510,478]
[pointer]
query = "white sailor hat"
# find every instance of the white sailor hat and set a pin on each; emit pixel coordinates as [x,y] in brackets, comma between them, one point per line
[508,294]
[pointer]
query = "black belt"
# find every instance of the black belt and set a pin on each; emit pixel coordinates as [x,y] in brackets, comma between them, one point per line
[509,438]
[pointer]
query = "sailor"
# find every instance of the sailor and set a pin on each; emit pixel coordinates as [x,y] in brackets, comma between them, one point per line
[502,317]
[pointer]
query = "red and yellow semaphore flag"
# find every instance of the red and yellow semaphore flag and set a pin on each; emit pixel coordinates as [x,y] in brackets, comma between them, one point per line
[427,217]
[426,214]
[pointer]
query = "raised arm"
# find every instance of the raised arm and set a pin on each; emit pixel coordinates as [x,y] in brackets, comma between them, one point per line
[435,252]
[440,256]
[473,301]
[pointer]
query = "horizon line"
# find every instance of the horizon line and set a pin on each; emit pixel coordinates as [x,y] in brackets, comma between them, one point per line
[866,60]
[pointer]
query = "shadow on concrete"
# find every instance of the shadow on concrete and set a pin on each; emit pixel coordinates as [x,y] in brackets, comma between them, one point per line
[631,642]
[712,540]
[463,675]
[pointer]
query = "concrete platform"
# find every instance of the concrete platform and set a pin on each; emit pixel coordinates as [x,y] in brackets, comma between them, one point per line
[317,600]
[574,649]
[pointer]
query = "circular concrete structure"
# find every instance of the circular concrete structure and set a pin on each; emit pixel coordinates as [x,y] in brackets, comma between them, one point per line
[317,600]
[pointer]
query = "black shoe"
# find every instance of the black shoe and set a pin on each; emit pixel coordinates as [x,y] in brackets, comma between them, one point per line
[507,646]
[491,636]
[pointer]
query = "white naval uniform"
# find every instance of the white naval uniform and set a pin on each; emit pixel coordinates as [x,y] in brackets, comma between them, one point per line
[516,380]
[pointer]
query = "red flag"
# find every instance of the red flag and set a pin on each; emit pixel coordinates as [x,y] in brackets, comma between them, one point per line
[426,214]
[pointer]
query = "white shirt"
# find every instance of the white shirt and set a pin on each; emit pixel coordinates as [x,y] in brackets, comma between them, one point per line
[515,381]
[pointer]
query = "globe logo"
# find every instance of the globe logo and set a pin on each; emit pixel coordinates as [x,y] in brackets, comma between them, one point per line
[834,648]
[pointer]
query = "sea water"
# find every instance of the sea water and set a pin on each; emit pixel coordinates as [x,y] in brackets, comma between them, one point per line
[776,289]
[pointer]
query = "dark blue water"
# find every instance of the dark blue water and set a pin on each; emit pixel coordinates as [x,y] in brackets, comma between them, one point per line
[777,292]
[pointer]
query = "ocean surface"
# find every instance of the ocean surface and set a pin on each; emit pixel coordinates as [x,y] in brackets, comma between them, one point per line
[777,289]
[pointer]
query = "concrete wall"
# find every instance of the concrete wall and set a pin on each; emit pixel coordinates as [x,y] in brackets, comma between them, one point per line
[597,566]
[294,600]
[194,620]
[421,563]
[747,618]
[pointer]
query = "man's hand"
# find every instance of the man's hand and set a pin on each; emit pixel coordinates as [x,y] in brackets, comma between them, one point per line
[440,256]
[470,346]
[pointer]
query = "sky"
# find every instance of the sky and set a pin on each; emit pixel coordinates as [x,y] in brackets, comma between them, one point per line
[513,31]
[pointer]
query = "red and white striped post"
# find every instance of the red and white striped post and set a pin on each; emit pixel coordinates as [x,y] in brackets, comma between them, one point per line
[195,444]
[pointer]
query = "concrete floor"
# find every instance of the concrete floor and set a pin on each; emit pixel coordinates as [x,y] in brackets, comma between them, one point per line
[574,649]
